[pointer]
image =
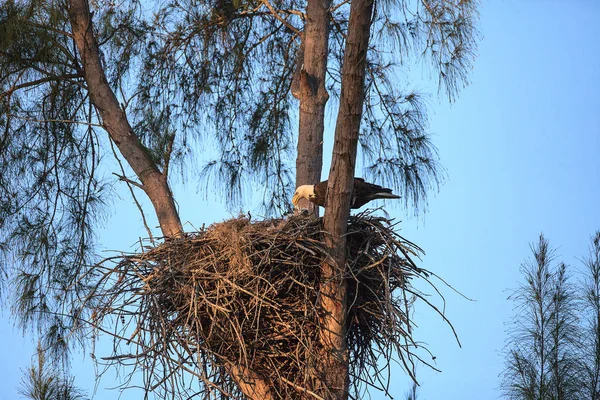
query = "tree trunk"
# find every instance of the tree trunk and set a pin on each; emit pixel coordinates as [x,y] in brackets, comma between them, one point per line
[312,94]
[341,180]
[249,383]
[153,181]
[116,124]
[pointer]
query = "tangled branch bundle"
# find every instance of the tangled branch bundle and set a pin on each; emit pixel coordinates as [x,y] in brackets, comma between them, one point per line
[245,294]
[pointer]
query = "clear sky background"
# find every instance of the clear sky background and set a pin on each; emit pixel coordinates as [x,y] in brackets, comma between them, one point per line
[520,146]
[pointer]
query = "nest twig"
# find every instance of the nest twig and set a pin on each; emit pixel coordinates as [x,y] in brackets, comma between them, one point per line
[246,293]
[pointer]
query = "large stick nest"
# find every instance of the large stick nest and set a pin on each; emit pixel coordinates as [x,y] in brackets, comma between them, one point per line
[244,294]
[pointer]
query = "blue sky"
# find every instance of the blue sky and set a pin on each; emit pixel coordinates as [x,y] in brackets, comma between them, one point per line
[520,146]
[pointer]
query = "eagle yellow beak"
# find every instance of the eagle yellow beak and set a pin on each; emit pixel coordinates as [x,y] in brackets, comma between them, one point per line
[295,199]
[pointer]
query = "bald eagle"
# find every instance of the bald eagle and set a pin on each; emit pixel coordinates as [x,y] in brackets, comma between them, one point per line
[362,193]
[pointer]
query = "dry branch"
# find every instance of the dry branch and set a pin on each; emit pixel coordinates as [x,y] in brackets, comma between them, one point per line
[245,294]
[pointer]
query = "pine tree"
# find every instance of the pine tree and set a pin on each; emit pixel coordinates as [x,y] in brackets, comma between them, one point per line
[591,322]
[43,382]
[149,83]
[541,352]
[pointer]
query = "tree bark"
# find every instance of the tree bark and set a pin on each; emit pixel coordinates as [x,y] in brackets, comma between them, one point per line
[153,181]
[341,180]
[313,95]
[250,384]
[116,124]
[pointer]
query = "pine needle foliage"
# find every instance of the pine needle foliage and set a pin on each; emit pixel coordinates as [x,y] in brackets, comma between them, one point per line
[44,382]
[218,74]
[591,321]
[542,358]
[191,76]
[50,194]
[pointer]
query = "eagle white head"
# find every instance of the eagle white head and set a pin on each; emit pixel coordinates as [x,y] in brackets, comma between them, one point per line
[303,192]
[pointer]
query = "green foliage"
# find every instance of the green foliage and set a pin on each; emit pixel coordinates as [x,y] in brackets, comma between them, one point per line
[43,382]
[552,351]
[217,75]
[50,194]
[397,149]
[591,321]
[394,142]
[225,70]
[195,78]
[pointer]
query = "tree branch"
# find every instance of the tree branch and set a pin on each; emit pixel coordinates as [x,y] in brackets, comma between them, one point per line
[40,81]
[116,124]
[61,121]
[278,17]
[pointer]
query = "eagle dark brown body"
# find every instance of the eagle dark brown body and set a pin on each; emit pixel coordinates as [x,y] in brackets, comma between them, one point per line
[362,193]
